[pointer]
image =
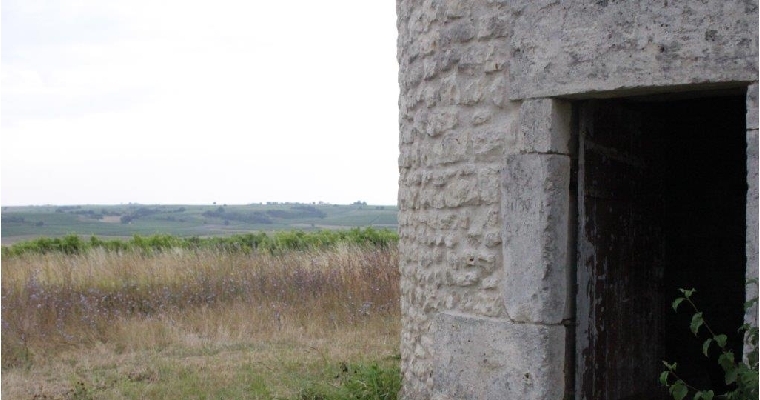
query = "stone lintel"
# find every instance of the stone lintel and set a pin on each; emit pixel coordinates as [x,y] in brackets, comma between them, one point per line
[489,359]
[535,208]
[565,48]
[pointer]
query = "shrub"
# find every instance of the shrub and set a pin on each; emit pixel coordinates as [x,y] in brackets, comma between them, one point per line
[277,242]
[741,376]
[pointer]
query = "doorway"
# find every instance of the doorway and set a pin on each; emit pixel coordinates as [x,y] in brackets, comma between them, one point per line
[661,186]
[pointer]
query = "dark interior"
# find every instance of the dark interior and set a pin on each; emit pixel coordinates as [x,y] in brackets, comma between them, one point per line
[662,207]
[704,188]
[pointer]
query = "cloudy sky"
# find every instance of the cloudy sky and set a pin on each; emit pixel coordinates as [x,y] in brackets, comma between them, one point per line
[177,101]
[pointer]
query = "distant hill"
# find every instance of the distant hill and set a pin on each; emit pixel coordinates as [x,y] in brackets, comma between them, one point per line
[30,222]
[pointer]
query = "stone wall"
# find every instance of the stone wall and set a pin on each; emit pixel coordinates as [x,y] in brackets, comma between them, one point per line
[455,123]
[485,223]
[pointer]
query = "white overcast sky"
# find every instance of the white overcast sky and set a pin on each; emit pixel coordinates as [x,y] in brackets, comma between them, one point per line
[169,101]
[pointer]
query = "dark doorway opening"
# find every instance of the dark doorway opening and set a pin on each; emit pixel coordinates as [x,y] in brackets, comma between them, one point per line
[704,226]
[661,206]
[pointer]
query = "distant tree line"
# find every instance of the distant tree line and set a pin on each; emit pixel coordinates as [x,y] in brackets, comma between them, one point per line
[12,218]
[265,217]
[138,213]
[256,217]
[17,219]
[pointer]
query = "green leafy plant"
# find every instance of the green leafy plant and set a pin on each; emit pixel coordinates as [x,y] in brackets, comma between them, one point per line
[741,376]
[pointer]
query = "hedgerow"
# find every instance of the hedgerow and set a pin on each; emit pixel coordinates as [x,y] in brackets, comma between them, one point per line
[248,242]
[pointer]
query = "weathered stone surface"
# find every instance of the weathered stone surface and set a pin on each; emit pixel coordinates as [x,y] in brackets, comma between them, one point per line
[439,122]
[544,127]
[752,203]
[536,209]
[752,223]
[752,110]
[561,48]
[489,359]
[480,117]
[487,191]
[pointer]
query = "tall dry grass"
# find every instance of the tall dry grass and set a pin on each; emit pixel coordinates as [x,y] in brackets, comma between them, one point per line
[54,303]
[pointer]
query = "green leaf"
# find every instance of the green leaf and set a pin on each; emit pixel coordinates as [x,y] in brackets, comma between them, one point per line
[704,395]
[664,378]
[696,322]
[726,360]
[670,367]
[679,390]
[721,340]
[706,346]
[749,377]
[676,302]
[731,375]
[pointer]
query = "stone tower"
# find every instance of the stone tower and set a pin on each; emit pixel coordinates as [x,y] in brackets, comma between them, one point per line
[565,167]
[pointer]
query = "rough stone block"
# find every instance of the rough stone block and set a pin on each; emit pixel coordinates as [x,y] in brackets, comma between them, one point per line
[498,92]
[494,26]
[455,9]
[752,222]
[477,53]
[480,117]
[408,155]
[752,110]
[488,359]
[461,191]
[451,148]
[483,303]
[441,121]
[469,91]
[536,209]
[544,127]
[406,132]
[460,31]
[429,68]
[488,185]
[407,199]
[484,218]
[488,143]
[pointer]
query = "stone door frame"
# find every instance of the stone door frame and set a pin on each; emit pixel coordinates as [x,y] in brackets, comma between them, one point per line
[539,210]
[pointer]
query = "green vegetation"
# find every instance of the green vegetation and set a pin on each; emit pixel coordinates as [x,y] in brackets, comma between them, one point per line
[741,376]
[245,243]
[124,221]
[358,382]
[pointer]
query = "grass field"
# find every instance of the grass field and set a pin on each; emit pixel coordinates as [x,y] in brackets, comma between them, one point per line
[122,221]
[201,324]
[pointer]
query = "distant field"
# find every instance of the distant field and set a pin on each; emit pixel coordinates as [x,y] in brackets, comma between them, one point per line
[122,221]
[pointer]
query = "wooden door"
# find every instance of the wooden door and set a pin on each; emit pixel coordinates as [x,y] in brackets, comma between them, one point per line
[619,340]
